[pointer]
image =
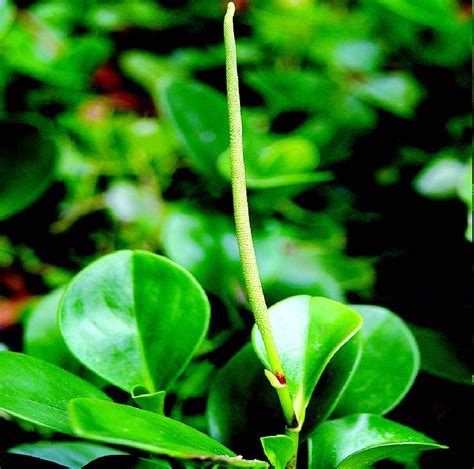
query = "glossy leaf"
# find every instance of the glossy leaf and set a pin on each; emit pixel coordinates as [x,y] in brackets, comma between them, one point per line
[199,116]
[39,392]
[332,384]
[279,449]
[308,332]
[134,318]
[140,429]
[71,454]
[42,337]
[153,402]
[358,441]
[27,165]
[388,366]
[442,357]
[242,406]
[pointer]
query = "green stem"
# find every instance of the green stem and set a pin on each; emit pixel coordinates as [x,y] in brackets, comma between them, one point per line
[242,223]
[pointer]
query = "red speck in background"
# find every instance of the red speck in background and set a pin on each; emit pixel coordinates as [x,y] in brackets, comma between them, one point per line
[106,78]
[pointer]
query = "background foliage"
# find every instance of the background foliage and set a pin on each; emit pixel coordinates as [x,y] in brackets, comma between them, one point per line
[357,138]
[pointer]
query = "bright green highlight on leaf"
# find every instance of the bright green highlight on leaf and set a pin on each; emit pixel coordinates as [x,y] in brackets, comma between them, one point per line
[140,429]
[134,318]
[308,332]
[360,440]
[39,392]
[71,454]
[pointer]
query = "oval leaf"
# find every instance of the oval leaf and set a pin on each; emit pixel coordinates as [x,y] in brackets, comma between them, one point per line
[71,454]
[39,392]
[388,366]
[27,164]
[358,441]
[199,116]
[134,318]
[140,429]
[308,332]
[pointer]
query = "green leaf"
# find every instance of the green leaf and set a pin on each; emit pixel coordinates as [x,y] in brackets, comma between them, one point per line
[27,164]
[281,163]
[134,318]
[279,449]
[7,15]
[39,392]
[435,13]
[206,245]
[153,402]
[358,441]
[359,56]
[199,116]
[128,462]
[242,406]
[440,178]
[388,366]
[147,431]
[332,384]
[308,332]
[71,454]
[441,357]
[396,93]
[42,337]
[289,90]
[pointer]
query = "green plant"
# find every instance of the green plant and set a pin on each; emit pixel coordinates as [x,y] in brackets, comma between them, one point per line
[135,321]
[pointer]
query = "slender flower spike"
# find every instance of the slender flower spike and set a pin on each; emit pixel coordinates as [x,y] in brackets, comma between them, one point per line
[242,222]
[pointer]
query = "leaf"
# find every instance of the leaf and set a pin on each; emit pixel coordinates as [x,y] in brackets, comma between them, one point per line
[153,402]
[199,116]
[7,15]
[440,357]
[358,441]
[282,163]
[357,55]
[42,337]
[242,406]
[291,89]
[206,245]
[396,93]
[128,462]
[279,449]
[308,331]
[332,384]
[440,178]
[147,431]
[39,392]
[134,318]
[27,164]
[435,13]
[71,454]
[388,366]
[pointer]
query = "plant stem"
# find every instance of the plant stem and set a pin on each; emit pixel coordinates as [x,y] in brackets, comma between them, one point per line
[242,224]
